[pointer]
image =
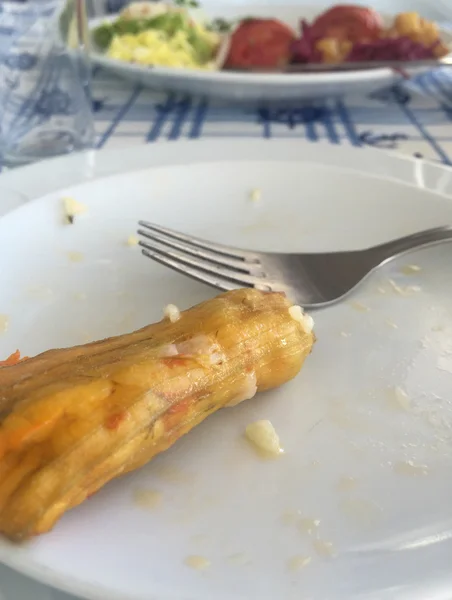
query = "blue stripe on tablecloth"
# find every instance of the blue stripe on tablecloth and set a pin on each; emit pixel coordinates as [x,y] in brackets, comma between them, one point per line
[444,85]
[428,85]
[310,129]
[328,123]
[199,117]
[163,112]
[262,118]
[119,116]
[181,110]
[410,114]
[349,128]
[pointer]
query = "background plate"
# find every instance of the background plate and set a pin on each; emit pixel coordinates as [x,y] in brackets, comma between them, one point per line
[252,87]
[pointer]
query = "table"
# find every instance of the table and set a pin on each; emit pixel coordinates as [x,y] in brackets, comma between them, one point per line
[414,119]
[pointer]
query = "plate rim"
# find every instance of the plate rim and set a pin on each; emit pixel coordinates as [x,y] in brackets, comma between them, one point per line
[89,165]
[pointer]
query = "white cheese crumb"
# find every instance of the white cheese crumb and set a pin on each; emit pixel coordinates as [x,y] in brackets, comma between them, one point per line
[264,437]
[72,208]
[306,321]
[247,391]
[172,313]
[132,240]
[168,350]
[255,195]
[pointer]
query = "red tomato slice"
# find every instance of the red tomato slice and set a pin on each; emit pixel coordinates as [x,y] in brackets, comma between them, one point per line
[262,43]
[346,22]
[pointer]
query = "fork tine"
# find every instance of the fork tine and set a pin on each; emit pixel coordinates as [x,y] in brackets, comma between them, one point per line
[219,259]
[200,243]
[220,273]
[193,273]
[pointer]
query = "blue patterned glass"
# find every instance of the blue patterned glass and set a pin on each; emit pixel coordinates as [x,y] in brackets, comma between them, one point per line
[45,105]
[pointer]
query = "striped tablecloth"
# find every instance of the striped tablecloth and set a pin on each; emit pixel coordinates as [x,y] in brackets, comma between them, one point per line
[415,118]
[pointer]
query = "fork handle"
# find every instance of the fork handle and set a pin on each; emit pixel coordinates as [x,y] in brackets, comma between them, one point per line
[429,237]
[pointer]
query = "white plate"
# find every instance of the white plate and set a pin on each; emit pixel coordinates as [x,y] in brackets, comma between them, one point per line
[335,420]
[243,86]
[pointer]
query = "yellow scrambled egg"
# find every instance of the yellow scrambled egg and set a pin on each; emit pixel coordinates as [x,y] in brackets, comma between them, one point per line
[154,47]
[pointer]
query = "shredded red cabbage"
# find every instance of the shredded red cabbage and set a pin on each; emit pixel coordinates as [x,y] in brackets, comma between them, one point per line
[304,51]
[400,48]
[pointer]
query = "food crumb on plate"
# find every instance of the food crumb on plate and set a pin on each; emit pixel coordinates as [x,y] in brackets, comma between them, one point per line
[409,467]
[4,323]
[172,313]
[132,241]
[391,324]
[75,256]
[239,559]
[324,548]
[359,307]
[345,334]
[264,438]
[72,208]
[148,499]
[296,563]
[404,291]
[199,563]
[346,483]
[308,525]
[291,517]
[361,511]
[400,399]
[80,296]
[410,269]
[255,194]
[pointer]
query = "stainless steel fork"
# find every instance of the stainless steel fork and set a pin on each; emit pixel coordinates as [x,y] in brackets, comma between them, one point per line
[311,280]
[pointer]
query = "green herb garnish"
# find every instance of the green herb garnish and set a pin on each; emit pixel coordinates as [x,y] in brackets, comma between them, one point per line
[220,25]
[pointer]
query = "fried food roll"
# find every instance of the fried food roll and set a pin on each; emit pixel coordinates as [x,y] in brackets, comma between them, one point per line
[73,419]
